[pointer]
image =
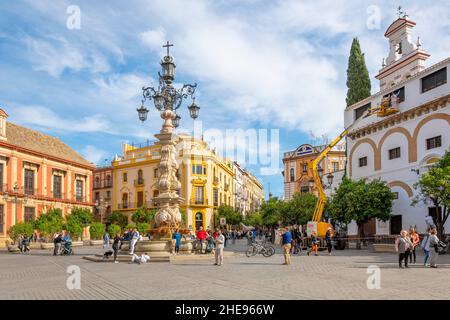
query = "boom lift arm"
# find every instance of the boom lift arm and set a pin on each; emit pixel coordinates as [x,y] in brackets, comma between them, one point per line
[322,197]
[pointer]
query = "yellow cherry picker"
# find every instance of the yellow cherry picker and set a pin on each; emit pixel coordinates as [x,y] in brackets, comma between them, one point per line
[388,106]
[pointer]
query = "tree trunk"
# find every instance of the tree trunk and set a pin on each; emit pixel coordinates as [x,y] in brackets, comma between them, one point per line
[360,234]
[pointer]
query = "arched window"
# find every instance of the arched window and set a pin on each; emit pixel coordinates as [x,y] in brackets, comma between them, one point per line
[198,220]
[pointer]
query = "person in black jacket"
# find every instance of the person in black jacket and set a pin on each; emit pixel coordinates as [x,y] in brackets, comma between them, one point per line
[116,245]
[328,240]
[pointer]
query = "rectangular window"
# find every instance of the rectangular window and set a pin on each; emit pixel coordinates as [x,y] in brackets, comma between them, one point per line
[399,92]
[1,177]
[29,214]
[395,195]
[435,142]
[140,199]
[125,177]
[108,194]
[57,187]
[434,80]
[216,197]
[363,161]
[304,190]
[79,191]
[360,111]
[29,182]
[125,201]
[335,166]
[305,168]
[2,218]
[155,173]
[292,175]
[199,195]
[394,153]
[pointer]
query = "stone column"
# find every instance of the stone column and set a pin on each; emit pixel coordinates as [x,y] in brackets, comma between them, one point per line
[168,201]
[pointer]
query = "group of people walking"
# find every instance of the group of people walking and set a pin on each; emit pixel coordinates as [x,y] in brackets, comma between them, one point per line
[293,241]
[408,242]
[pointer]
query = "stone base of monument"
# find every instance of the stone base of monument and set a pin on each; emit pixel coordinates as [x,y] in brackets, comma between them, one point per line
[159,251]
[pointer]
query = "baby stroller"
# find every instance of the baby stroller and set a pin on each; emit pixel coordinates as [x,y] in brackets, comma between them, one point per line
[209,245]
[66,249]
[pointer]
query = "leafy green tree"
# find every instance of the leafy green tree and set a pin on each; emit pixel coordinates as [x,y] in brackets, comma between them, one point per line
[73,226]
[143,228]
[118,218]
[97,230]
[434,187]
[271,212]
[299,209]
[361,201]
[227,212]
[143,215]
[253,219]
[83,216]
[358,81]
[130,226]
[50,222]
[21,228]
[113,230]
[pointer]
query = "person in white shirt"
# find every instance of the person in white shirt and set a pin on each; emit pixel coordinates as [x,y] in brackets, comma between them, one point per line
[139,260]
[134,237]
[220,241]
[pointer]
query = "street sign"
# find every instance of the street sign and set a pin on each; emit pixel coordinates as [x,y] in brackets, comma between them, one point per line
[223,221]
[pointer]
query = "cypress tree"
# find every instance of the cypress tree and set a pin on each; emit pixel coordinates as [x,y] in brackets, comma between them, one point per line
[358,81]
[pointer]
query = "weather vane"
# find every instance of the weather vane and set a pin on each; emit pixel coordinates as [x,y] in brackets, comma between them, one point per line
[401,12]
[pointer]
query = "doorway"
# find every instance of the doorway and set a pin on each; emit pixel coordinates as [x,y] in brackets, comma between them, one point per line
[396,224]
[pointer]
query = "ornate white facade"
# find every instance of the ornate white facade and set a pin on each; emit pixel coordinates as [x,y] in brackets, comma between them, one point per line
[400,147]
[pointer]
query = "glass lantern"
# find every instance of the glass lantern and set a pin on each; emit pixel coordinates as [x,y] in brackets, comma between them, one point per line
[158,99]
[330,178]
[176,121]
[194,110]
[142,112]
[168,69]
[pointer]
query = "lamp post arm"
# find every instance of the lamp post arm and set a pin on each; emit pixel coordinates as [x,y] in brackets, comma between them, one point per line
[186,91]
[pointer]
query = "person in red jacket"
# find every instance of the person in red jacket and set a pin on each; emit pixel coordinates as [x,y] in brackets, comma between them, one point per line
[201,236]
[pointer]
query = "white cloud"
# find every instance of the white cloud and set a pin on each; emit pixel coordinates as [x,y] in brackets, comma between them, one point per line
[94,154]
[47,119]
[56,54]
[154,38]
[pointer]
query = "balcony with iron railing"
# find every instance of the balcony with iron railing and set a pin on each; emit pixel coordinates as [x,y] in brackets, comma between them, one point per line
[135,205]
[33,193]
[139,182]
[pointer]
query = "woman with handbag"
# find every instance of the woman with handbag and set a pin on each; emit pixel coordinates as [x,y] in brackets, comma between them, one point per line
[434,250]
[415,239]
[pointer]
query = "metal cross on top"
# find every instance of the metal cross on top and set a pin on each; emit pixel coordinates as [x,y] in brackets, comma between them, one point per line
[168,45]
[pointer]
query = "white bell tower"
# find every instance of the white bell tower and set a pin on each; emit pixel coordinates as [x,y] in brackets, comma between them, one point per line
[406,56]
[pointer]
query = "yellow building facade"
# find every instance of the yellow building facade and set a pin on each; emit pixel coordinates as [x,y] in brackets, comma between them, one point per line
[206,180]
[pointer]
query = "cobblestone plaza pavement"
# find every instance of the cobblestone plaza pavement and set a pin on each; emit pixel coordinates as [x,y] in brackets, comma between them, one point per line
[343,275]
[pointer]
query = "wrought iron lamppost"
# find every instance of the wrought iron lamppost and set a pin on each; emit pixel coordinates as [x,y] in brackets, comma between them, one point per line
[167,100]
[16,200]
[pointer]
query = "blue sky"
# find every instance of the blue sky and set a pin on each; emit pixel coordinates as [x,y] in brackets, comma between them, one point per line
[258,65]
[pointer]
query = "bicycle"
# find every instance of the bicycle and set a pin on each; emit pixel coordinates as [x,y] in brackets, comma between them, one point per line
[260,248]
